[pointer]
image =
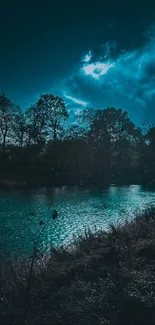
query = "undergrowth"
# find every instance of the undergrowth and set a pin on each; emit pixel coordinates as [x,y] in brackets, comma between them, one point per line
[108,278]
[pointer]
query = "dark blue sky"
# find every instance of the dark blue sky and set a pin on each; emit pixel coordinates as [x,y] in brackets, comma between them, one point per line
[99,53]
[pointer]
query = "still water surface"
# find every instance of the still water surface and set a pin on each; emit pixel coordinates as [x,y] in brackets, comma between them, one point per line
[78,209]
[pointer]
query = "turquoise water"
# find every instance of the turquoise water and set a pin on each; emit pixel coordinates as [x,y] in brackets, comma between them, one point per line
[78,209]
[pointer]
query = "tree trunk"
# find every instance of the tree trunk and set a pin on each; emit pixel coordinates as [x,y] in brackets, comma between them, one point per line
[54,134]
[4,146]
[21,140]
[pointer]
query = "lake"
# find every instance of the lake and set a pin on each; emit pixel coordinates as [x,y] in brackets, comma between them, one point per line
[78,209]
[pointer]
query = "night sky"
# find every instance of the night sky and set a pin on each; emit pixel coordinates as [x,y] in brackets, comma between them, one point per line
[95,53]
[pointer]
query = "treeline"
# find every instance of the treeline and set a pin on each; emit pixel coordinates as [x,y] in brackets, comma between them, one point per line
[40,146]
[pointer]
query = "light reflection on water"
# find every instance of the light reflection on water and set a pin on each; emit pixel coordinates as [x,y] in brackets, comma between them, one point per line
[78,209]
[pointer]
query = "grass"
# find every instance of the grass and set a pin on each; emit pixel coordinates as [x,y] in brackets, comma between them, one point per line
[106,279]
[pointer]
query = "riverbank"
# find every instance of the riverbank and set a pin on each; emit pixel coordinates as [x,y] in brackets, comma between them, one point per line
[107,278]
[7,184]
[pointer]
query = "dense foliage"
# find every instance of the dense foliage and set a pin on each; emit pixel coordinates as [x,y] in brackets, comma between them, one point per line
[40,147]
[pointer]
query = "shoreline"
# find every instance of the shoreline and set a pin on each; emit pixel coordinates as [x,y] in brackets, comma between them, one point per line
[21,185]
[105,270]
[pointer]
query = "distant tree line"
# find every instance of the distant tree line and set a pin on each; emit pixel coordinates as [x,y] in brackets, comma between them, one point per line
[39,146]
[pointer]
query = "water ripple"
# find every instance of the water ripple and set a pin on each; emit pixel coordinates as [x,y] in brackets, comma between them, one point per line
[78,209]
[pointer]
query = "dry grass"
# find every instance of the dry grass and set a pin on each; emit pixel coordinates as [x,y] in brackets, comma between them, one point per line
[109,278]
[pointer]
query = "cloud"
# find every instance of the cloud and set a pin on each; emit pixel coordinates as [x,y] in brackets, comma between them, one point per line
[131,74]
[87,57]
[114,76]
[97,69]
[76,100]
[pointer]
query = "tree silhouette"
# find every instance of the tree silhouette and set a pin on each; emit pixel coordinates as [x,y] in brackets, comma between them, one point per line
[8,121]
[19,128]
[148,157]
[105,146]
[150,136]
[36,124]
[56,113]
[113,135]
[75,132]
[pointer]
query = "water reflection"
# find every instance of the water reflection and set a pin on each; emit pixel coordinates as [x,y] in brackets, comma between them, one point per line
[78,209]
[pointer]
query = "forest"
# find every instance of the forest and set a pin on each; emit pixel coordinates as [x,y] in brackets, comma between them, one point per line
[40,147]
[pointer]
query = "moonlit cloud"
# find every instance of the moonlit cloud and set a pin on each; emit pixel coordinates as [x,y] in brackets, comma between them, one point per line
[129,78]
[97,69]
[87,57]
[135,73]
[132,65]
[75,100]
[114,77]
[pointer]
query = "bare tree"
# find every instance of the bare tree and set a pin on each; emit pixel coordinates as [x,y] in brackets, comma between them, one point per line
[56,114]
[36,121]
[8,114]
